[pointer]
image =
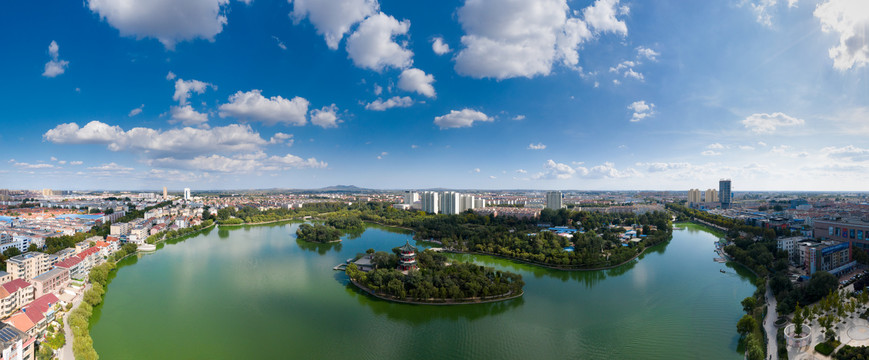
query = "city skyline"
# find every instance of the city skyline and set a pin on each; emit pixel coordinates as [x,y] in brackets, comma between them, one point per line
[580,95]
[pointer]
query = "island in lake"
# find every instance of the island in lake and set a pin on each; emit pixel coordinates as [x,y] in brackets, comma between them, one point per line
[409,276]
[318,233]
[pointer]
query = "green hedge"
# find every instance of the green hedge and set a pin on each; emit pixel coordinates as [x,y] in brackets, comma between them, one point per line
[824,348]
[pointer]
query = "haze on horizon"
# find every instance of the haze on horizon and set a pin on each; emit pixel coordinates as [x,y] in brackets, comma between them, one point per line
[471,94]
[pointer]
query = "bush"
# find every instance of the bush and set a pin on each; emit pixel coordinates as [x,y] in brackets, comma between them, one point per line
[782,344]
[825,348]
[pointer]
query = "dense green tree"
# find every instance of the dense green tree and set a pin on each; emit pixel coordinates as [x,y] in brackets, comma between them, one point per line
[746,325]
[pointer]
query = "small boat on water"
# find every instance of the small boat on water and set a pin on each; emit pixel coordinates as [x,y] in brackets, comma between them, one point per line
[722,271]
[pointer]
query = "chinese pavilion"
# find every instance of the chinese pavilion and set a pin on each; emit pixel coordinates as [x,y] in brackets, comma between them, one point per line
[407,257]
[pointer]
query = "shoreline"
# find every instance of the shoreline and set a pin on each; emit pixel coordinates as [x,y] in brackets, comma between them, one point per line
[259,223]
[440,303]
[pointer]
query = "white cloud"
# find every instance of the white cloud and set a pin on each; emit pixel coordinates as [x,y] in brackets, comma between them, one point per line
[641,110]
[378,90]
[439,46]
[763,123]
[55,66]
[715,146]
[53,158]
[333,18]
[416,80]
[170,76]
[607,170]
[111,167]
[326,117]
[664,166]
[554,170]
[183,88]
[281,138]
[476,170]
[169,21]
[395,101]
[76,162]
[850,19]
[24,165]
[710,153]
[382,155]
[746,147]
[538,146]
[463,118]
[519,117]
[253,106]
[136,111]
[524,38]
[522,171]
[647,53]
[762,9]
[849,152]
[183,142]
[492,177]
[279,42]
[186,116]
[245,163]
[372,45]
[414,146]
[634,74]
[788,151]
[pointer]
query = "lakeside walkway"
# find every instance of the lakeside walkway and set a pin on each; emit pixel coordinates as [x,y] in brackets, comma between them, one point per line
[769,324]
[65,352]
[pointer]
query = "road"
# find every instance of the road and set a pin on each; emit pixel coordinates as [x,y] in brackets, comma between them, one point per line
[769,324]
[65,352]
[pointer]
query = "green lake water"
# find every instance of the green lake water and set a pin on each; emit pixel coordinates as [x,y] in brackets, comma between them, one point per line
[258,293]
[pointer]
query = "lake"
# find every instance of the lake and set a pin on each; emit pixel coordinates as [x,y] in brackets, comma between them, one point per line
[257,292]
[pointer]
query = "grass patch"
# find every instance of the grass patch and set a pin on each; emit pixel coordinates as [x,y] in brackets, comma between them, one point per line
[826,348]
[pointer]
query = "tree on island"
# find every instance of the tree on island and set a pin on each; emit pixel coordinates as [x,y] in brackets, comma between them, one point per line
[318,233]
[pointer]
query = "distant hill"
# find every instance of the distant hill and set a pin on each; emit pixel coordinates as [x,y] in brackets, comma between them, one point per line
[348,188]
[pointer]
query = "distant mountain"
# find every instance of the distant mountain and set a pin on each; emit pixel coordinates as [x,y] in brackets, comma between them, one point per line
[343,188]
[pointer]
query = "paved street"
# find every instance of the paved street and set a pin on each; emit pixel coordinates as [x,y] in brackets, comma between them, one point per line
[65,352]
[769,324]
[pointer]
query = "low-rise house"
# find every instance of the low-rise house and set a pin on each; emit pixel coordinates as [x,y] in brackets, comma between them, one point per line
[15,344]
[5,277]
[13,295]
[41,312]
[51,282]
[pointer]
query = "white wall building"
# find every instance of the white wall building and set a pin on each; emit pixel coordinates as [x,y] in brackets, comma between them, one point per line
[430,201]
[451,203]
[187,194]
[554,200]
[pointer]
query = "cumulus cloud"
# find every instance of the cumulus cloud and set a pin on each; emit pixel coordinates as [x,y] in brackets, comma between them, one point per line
[372,45]
[168,21]
[183,88]
[76,162]
[763,123]
[641,110]
[253,106]
[416,80]
[327,117]
[519,117]
[525,38]
[395,101]
[462,118]
[850,20]
[25,165]
[55,66]
[281,138]
[554,170]
[607,170]
[183,142]
[716,146]
[136,111]
[538,146]
[647,53]
[333,18]
[439,46]
[710,153]
[170,76]
[186,116]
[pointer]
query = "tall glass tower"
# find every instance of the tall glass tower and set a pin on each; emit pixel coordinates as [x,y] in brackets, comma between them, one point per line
[724,193]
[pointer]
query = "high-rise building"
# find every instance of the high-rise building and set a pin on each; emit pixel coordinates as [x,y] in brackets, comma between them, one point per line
[554,200]
[429,202]
[165,193]
[450,203]
[724,193]
[28,265]
[693,196]
[711,196]
[187,194]
[466,203]
[411,197]
[479,203]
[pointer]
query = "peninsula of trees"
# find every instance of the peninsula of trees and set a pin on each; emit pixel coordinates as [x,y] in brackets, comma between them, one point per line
[435,281]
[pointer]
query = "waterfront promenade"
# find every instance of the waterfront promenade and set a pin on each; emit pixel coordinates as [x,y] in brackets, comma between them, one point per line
[769,324]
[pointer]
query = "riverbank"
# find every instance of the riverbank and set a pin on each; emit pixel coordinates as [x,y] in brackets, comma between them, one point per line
[434,301]
[259,223]
[553,267]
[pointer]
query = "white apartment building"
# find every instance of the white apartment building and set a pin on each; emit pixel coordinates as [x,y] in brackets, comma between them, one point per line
[28,265]
[450,203]
[554,200]
[120,229]
[430,202]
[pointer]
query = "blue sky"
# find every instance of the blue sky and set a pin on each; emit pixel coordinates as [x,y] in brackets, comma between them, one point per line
[488,94]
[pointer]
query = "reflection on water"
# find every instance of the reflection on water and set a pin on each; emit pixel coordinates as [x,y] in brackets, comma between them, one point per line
[319,248]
